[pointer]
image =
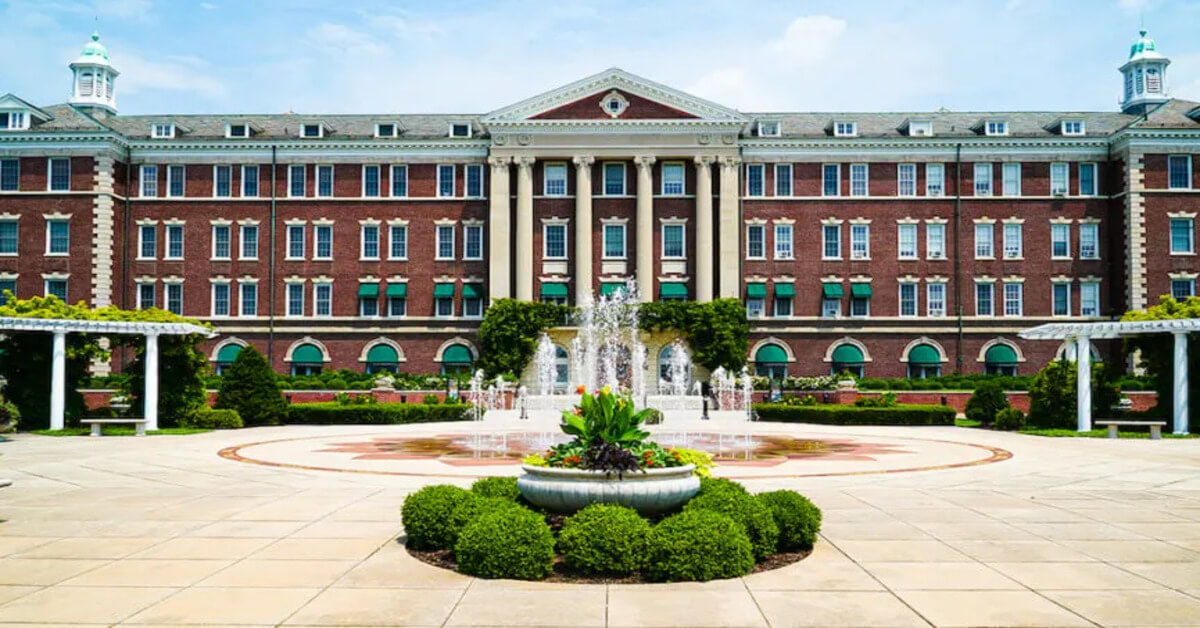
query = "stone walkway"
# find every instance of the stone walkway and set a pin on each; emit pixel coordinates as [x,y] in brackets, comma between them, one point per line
[163,531]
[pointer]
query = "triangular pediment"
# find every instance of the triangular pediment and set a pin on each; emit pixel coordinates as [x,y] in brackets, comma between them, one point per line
[11,102]
[617,95]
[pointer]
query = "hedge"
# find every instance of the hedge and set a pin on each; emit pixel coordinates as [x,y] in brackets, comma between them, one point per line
[854,415]
[375,414]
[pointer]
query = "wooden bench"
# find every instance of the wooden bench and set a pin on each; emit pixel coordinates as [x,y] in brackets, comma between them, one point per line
[139,424]
[1155,427]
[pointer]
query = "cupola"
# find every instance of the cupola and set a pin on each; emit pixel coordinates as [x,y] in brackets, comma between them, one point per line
[1145,76]
[94,78]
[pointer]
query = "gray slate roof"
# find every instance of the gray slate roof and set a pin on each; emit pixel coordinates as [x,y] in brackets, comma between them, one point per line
[1043,124]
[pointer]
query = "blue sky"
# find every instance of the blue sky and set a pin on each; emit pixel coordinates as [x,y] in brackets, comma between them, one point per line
[358,56]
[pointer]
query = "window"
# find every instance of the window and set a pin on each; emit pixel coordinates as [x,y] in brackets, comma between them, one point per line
[860,307]
[996,127]
[1087,180]
[445,242]
[295,240]
[1183,288]
[831,180]
[554,241]
[443,307]
[175,181]
[906,179]
[149,182]
[1059,175]
[472,305]
[614,241]
[755,307]
[556,179]
[398,242]
[174,298]
[249,236]
[369,245]
[830,307]
[58,237]
[860,242]
[174,235]
[1061,299]
[783,242]
[935,179]
[312,130]
[368,303]
[222,181]
[672,179]
[985,304]
[1181,235]
[473,242]
[10,175]
[920,128]
[755,184]
[147,242]
[474,174]
[145,296]
[983,179]
[295,299]
[220,299]
[907,241]
[783,179]
[768,129]
[1179,172]
[614,179]
[296,185]
[845,129]
[9,237]
[1014,299]
[323,242]
[983,241]
[57,288]
[249,300]
[831,242]
[445,180]
[60,175]
[400,180]
[221,248]
[325,181]
[370,181]
[858,180]
[1072,127]
[385,130]
[935,240]
[908,299]
[783,307]
[672,242]
[1060,241]
[1010,179]
[756,247]
[249,181]
[935,300]
[15,120]
[1013,241]
[1089,241]
[322,299]
[237,130]
[397,306]
[1089,298]
[460,129]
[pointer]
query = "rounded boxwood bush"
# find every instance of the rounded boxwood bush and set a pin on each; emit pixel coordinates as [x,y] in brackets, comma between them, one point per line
[746,511]
[717,485]
[428,516]
[604,539]
[1010,419]
[469,509]
[210,419]
[797,518]
[506,543]
[503,487]
[698,545]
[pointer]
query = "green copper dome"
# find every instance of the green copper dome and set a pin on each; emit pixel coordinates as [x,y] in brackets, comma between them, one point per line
[94,49]
[1142,45]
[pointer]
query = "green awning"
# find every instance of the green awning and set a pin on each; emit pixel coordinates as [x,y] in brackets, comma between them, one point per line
[554,290]
[785,290]
[397,291]
[228,353]
[307,354]
[924,354]
[673,290]
[847,354]
[1000,354]
[382,354]
[860,290]
[610,288]
[771,354]
[832,290]
[472,291]
[456,354]
[368,290]
[756,291]
[443,291]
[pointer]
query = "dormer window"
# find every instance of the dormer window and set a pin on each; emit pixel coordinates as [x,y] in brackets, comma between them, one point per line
[845,129]
[237,130]
[312,130]
[385,130]
[162,131]
[995,127]
[1072,127]
[920,128]
[460,129]
[768,129]
[614,104]
[13,120]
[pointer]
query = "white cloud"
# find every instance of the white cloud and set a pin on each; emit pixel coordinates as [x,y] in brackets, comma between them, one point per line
[808,39]
[407,28]
[1135,6]
[207,6]
[183,74]
[339,38]
[124,9]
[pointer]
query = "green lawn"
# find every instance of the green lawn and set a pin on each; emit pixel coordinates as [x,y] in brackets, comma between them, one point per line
[1068,433]
[120,430]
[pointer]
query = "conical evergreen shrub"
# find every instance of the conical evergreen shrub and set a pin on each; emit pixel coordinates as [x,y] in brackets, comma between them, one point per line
[249,386]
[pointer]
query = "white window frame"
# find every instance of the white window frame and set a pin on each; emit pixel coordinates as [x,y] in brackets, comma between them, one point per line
[1010,178]
[1055,229]
[144,177]
[787,252]
[438,231]
[305,126]
[940,190]
[762,228]
[865,180]
[144,288]
[865,254]
[920,128]
[769,128]
[1019,300]
[213,235]
[467,170]
[1095,167]
[914,252]
[1191,236]
[393,229]
[546,178]
[930,288]
[182,170]
[243,287]
[546,228]
[317,171]
[288,231]
[991,289]
[1084,288]
[604,166]
[215,190]
[242,230]
[212,299]
[1191,290]
[762,179]
[453,180]
[933,252]
[624,241]
[168,286]
[318,229]
[837,188]
[1013,245]
[1187,160]
[866,302]
[916,299]
[246,132]
[392,179]
[50,222]
[378,181]
[167,229]
[66,287]
[1054,286]
[825,242]
[291,181]
[910,180]
[784,172]
[379,130]
[1094,229]
[995,128]
[15,222]
[682,178]
[682,239]
[1060,178]
[979,170]
[141,250]
[845,128]
[316,300]
[16,165]
[287,299]
[257,181]
[462,123]
[50,173]
[776,302]
[467,229]
[985,246]
[362,241]
[1073,128]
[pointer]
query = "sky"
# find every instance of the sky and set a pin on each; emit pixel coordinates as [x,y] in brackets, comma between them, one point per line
[461,56]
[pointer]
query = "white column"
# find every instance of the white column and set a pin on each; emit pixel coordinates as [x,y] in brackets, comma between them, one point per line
[729,250]
[1083,383]
[645,226]
[583,229]
[151,392]
[524,239]
[1181,383]
[58,381]
[704,229]
[499,231]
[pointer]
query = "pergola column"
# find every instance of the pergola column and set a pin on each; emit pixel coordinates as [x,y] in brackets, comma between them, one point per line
[58,381]
[151,392]
[1083,385]
[1181,383]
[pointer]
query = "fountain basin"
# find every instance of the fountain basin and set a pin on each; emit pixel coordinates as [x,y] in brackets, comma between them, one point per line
[650,492]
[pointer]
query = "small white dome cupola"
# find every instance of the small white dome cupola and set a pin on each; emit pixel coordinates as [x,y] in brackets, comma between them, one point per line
[1145,76]
[94,78]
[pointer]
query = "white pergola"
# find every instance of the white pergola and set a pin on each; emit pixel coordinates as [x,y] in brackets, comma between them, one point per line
[1081,334]
[60,327]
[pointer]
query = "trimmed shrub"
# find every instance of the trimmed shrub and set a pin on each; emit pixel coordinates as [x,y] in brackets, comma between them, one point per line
[209,419]
[754,517]
[798,519]
[428,516]
[333,413]
[500,487]
[717,485]
[506,543]
[604,539]
[468,509]
[1010,419]
[985,402]
[835,414]
[698,545]
[10,416]
[249,388]
[431,400]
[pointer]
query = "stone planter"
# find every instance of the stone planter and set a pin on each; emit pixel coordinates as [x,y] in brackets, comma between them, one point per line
[652,492]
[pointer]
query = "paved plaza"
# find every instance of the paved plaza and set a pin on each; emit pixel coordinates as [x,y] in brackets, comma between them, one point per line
[923,526]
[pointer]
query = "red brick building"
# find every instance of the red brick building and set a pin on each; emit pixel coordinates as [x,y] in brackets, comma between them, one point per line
[885,243]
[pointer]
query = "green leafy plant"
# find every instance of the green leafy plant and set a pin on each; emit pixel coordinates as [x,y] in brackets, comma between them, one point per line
[886,400]
[605,417]
[249,388]
[702,459]
[604,539]
[797,518]
[1010,419]
[331,413]
[506,543]
[347,399]
[431,400]
[1052,397]
[10,416]
[535,460]
[835,414]
[720,485]
[468,510]
[427,516]
[747,512]
[698,545]
[985,402]
[210,419]
[510,330]
[181,370]
[501,487]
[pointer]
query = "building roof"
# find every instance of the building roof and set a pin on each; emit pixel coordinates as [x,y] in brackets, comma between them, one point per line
[945,123]
[287,125]
[1173,114]
[73,325]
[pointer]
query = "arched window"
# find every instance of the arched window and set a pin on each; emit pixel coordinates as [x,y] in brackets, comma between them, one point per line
[382,358]
[771,361]
[847,358]
[225,357]
[307,360]
[1000,359]
[664,363]
[456,360]
[924,361]
[562,368]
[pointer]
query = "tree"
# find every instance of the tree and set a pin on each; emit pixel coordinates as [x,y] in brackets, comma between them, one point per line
[985,402]
[181,371]
[1052,395]
[510,330]
[249,386]
[1157,352]
[717,332]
